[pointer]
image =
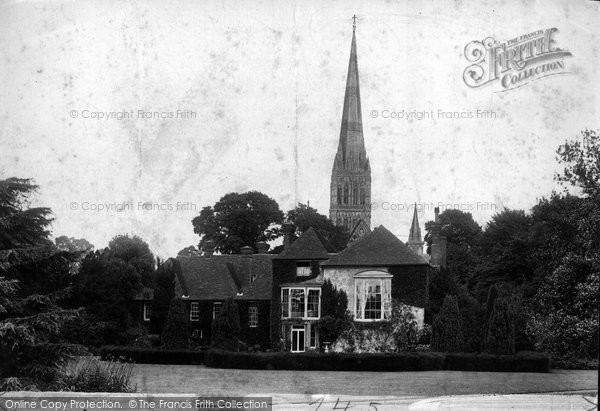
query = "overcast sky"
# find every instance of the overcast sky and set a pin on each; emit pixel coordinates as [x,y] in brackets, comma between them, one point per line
[262,84]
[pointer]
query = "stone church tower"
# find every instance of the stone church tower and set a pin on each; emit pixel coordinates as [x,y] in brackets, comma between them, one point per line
[350,204]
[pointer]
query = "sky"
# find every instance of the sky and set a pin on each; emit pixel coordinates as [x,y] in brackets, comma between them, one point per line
[111,106]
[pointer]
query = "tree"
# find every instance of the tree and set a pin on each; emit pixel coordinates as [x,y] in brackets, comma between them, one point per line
[334,313]
[447,333]
[65,243]
[239,220]
[176,332]
[304,217]
[226,327]
[462,237]
[135,252]
[164,292]
[582,163]
[500,332]
[34,280]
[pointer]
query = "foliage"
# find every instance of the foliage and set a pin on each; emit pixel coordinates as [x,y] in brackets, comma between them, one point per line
[447,335]
[34,280]
[143,355]
[239,220]
[135,252]
[304,216]
[226,327]
[500,330]
[164,292]
[399,333]
[88,374]
[402,361]
[582,162]
[176,332]
[71,244]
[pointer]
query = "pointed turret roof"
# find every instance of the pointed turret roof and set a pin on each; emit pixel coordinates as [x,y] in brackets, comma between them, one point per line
[414,235]
[378,248]
[309,246]
[351,153]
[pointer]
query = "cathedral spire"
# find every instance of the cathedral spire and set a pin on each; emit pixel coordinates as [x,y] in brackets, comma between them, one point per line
[415,242]
[351,173]
[351,152]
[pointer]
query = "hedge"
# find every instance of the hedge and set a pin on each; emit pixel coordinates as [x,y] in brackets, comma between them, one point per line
[409,361]
[143,355]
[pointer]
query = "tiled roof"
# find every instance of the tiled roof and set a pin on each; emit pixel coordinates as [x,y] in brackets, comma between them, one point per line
[309,246]
[219,277]
[378,248]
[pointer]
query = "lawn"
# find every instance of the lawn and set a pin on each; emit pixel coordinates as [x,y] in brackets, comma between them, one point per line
[212,381]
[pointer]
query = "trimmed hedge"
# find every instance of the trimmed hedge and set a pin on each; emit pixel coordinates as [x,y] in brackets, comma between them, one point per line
[406,361]
[143,355]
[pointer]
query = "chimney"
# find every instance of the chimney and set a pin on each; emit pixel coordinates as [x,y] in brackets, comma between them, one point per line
[288,234]
[208,248]
[262,247]
[246,251]
[438,250]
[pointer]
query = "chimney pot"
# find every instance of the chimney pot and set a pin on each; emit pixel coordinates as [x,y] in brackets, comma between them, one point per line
[245,250]
[262,247]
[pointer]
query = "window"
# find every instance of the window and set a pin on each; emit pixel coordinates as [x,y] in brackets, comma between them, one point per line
[252,278]
[253,316]
[346,193]
[147,311]
[372,296]
[313,336]
[303,269]
[216,309]
[300,302]
[195,311]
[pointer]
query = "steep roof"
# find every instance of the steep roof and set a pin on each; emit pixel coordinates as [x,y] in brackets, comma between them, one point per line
[378,248]
[309,246]
[219,277]
[414,235]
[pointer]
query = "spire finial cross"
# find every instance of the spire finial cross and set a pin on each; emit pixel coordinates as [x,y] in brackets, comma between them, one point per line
[354,22]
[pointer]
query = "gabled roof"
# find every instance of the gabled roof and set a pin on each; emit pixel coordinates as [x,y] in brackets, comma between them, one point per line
[219,277]
[378,248]
[309,246]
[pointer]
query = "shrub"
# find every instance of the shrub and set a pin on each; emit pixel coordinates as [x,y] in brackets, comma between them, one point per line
[226,327]
[142,355]
[176,333]
[88,374]
[413,361]
[500,333]
[447,333]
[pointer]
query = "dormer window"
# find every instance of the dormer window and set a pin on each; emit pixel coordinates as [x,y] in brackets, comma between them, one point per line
[303,269]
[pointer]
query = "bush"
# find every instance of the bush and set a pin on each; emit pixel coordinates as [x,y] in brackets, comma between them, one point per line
[88,374]
[142,355]
[500,333]
[447,333]
[226,327]
[413,361]
[176,333]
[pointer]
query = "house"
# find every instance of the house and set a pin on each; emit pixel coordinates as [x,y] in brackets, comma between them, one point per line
[296,295]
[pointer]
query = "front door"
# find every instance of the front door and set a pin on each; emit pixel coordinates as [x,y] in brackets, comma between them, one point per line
[298,338]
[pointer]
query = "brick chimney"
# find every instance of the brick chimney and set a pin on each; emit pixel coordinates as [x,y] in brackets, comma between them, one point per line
[438,242]
[208,249]
[262,247]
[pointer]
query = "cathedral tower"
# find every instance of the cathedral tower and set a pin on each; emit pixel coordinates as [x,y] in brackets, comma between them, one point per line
[350,197]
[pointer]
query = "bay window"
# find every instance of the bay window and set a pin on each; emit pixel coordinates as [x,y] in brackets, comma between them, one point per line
[372,297]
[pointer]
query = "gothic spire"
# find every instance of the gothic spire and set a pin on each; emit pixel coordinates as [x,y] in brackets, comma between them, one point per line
[351,154]
[415,231]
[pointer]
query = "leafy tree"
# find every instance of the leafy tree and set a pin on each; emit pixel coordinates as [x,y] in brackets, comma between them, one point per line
[176,333]
[239,220]
[447,326]
[164,292]
[226,327]
[334,313]
[71,244]
[34,279]
[304,217]
[500,333]
[462,237]
[190,251]
[135,252]
[582,163]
